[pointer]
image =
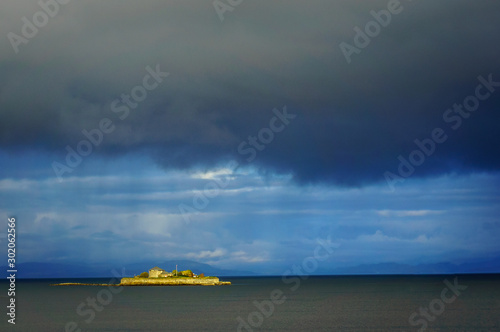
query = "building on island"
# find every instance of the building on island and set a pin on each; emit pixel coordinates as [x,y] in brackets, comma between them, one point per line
[155,272]
[166,274]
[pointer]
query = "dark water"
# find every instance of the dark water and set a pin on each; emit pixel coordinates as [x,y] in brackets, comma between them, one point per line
[359,303]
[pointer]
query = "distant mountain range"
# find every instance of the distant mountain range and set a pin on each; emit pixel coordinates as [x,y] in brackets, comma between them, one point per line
[63,270]
[489,266]
[67,270]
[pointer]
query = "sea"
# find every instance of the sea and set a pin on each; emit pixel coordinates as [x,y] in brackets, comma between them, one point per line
[320,303]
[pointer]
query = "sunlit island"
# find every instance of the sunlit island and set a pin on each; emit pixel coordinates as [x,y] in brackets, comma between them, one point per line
[159,277]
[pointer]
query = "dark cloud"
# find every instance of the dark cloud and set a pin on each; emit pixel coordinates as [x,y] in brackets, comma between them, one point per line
[353,120]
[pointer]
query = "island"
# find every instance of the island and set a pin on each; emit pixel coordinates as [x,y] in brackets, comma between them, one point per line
[159,277]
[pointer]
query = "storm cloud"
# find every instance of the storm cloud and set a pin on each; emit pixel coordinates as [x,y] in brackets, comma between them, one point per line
[353,120]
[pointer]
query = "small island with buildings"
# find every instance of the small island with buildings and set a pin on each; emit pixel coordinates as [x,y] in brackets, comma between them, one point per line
[159,277]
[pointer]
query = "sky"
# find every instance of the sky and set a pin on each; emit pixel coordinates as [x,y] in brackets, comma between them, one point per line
[244,136]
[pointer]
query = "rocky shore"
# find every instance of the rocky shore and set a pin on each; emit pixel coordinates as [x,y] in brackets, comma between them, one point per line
[208,281]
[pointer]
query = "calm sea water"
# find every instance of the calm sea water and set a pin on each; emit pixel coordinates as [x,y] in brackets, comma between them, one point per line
[346,303]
